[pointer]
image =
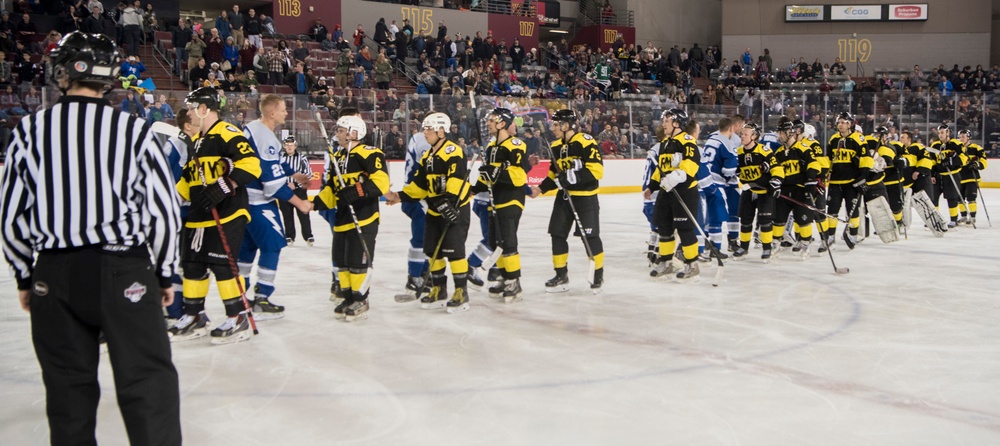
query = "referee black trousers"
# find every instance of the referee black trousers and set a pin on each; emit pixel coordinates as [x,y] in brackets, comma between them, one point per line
[288,213]
[77,294]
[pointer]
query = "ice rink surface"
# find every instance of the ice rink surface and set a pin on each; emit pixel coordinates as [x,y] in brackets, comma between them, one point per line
[904,350]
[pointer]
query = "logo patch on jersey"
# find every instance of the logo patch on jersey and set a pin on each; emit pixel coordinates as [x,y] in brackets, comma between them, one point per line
[587,137]
[40,289]
[516,141]
[233,129]
[688,137]
[449,149]
[135,291]
[272,150]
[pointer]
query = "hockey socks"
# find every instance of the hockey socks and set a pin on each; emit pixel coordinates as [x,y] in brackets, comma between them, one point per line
[416,262]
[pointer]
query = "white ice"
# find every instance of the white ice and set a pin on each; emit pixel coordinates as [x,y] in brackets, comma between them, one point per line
[904,350]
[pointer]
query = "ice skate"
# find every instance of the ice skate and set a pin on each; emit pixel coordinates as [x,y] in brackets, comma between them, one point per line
[264,310]
[512,291]
[802,248]
[310,241]
[189,327]
[663,268]
[493,275]
[850,240]
[765,255]
[335,292]
[459,301]
[598,284]
[475,279]
[233,329]
[436,298]
[414,286]
[829,244]
[952,225]
[356,311]
[741,251]
[559,283]
[690,274]
[496,291]
[289,241]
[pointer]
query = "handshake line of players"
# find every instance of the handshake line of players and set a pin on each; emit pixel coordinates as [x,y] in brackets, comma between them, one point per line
[749,180]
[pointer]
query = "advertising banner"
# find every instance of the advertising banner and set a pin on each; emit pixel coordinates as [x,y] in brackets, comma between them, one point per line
[804,13]
[855,12]
[908,11]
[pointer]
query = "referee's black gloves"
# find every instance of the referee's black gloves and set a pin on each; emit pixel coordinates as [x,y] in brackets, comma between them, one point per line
[214,193]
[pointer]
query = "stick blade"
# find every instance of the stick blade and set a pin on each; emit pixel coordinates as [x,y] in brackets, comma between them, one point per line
[404,298]
[718,274]
[492,259]
[591,271]
[844,270]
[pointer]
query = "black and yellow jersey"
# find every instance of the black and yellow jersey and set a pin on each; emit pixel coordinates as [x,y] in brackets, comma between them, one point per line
[679,152]
[923,161]
[222,140]
[886,153]
[361,164]
[509,155]
[798,163]
[757,165]
[441,174]
[975,153]
[821,158]
[943,151]
[583,148]
[849,159]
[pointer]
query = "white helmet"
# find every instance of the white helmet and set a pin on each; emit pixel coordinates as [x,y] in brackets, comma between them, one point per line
[809,131]
[355,124]
[437,121]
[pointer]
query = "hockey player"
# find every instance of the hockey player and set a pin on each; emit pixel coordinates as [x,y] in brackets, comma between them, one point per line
[951,160]
[416,261]
[575,169]
[970,176]
[220,167]
[922,183]
[357,180]
[850,164]
[761,176]
[176,150]
[265,232]
[819,193]
[677,165]
[801,173]
[718,158]
[652,250]
[502,175]
[732,187]
[873,188]
[441,180]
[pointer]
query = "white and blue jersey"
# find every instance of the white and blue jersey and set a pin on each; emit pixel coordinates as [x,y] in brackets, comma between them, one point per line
[718,160]
[273,181]
[416,260]
[176,151]
[651,163]
[770,140]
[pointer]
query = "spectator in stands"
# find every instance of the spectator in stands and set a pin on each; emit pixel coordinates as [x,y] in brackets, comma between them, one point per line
[230,55]
[838,67]
[195,49]
[328,43]
[132,106]
[159,111]
[359,37]
[747,60]
[260,65]
[132,21]
[94,23]
[276,61]
[214,47]
[736,69]
[253,28]
[236,26]
[762,69]
[300,53]
[318,31]
[383,72]
[364,61]
[848,85]
[222,25]
[230,84]
[51,41]
[70,20]
[343,69]
[945,86]
[250,83]
[697,57]
[6,74]
[381,36]
[11,103]
[298,80]
[216,68]
[132,67]
[180,36]
[517,55]
[91,4]
[246,57]
[26,30]
[25,70]
[342,44]
[267,24]
[212,80]
[198,73]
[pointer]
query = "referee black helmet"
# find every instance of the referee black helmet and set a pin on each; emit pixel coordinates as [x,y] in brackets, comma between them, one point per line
[85,58]
[205,95]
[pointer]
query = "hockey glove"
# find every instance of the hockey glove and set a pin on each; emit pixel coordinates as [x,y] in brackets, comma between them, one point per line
[447,211]
[227,166]
[775,187]
[978,165]
[952,163]
[214,193]
[566,178]
[861,186]
[672,179]
[489,172]
[350,194]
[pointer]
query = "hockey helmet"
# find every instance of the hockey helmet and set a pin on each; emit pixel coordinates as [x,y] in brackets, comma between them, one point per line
[798,126]
[965,132]
[881,130]
[204,95]
[437,121]
[566,116]
[503,115]
[784,124]
[845,116]
[353,124]
[289,139]
[677,115]
[85,57]
[944,127]
[809,131]
[755,128]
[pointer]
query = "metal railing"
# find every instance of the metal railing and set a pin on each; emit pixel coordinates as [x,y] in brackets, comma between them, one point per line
[623,128]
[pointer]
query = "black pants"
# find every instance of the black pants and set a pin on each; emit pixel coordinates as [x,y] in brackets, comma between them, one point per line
[759,205]
[784,207]
[894,192]
[287,212]
[453,244]
[669,215]
[503,233]
[842,194]
[133,37]
[348,252]
[970,190]
[79,293]
[589,210]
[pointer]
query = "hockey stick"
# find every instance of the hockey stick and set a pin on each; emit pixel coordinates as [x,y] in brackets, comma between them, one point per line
[165,129]
[847,229]
[592,264]
[965,202]
[813,208]
[826,246]
[354,216]
[715,251]
[229,252]
[982,198]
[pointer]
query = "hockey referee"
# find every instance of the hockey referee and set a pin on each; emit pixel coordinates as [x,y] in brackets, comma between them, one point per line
[87,189]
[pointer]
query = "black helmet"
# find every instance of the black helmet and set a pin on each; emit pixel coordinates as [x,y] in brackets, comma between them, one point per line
[677,115]
[85,57]
[881,130]
[289,139]
[846,117]
[503,114]
[755,127]
[798,126]
[965,132]
[205,95]
[944,127]
[784,124]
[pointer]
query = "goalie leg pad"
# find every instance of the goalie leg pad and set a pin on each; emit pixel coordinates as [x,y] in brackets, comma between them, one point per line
[907,210]
[922,203]
[882,219]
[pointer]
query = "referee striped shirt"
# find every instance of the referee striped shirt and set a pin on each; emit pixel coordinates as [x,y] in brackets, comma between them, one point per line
[298,163]
[83,173]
